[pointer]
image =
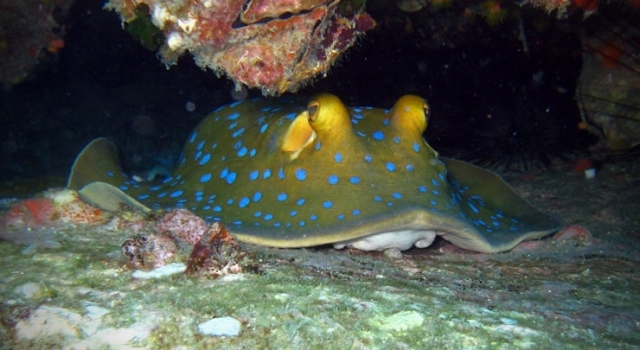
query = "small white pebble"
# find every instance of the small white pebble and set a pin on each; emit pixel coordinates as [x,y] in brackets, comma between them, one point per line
[220,327]
[160,272]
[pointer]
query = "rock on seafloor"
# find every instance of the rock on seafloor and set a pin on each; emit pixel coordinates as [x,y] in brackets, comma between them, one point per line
[220,327]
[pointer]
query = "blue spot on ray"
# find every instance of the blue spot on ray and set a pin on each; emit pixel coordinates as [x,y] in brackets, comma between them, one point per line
[301,174]
[205,159]
[378,135]
[390,166]
[338,157]
[257,196]
[254,175]
[243,202]
[238,132]
[327,204]
[333,179]
[282,197]
[231,177]
[177,193]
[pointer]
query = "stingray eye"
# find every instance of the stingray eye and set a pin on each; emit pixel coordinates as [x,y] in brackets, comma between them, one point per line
[425,107]
[312,111]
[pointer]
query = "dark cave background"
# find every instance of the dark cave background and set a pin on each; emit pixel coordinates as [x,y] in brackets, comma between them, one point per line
[491,101]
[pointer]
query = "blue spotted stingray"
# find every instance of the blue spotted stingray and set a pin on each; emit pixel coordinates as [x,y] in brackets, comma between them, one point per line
[282,175]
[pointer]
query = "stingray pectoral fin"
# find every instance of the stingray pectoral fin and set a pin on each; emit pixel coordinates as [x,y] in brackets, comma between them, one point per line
[109,197]
[98,161]
[498,199]
[94,171]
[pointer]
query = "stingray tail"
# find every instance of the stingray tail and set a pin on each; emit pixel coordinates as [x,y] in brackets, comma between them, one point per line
[95,174]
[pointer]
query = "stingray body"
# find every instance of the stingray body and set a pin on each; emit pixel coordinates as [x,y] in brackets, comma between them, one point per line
[279,174]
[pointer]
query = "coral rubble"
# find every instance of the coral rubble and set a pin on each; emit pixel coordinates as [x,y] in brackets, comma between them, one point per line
[216,254]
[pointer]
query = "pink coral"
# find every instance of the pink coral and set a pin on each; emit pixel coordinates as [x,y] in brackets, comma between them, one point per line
[71,209]
[183,225]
